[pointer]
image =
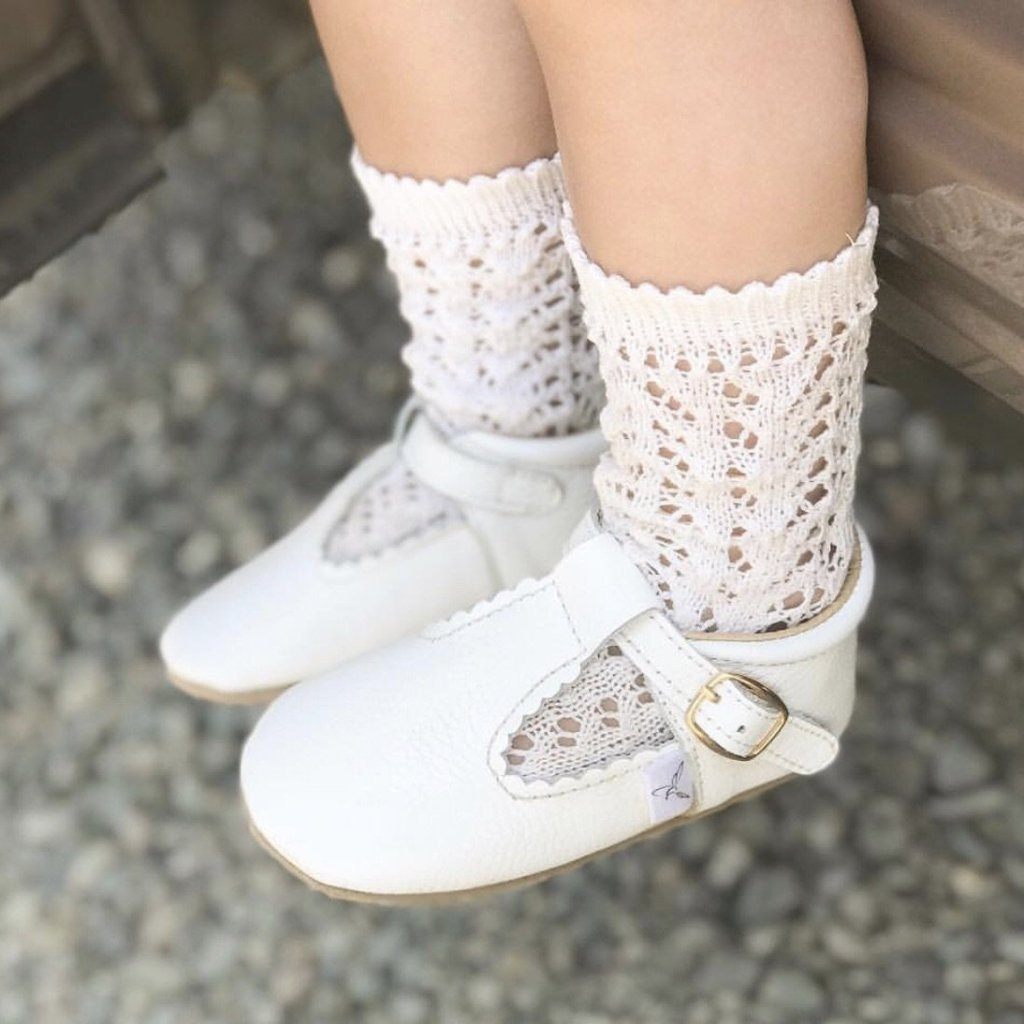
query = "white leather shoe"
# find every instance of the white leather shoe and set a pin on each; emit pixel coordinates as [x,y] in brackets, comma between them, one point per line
[395,778]
[496,509]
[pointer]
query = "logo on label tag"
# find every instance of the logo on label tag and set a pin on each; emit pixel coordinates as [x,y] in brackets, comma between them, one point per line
[669,780]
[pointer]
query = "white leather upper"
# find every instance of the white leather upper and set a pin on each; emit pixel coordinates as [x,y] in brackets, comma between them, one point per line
[291,613]
[387,776]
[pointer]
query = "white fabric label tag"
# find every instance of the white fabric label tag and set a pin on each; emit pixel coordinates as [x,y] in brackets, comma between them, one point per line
[669,780]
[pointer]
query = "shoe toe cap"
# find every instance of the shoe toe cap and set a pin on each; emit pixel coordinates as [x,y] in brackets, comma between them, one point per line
[275,620]
[220,645]
[357,783]
[307,782]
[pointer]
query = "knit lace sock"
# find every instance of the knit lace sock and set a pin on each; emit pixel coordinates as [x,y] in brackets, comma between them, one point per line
[733,427]
[497,339]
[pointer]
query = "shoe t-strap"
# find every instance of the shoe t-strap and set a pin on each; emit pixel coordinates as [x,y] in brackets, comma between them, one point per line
[731,713]
[474,479]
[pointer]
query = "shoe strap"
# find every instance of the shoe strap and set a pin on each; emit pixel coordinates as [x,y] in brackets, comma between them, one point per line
[731,713]
[606,597]
[474,479]
[600,590]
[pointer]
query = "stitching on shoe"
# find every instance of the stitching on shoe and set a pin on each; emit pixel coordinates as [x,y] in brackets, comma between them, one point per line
[693,657]
[521,789]
[568,618]
[565,784]
[502,727]
[652,669]
[673,690]
[797,766]
[783,664]
[766,717]
[788,762]
[804,724]
[337,571]
[570,784]
[473,620]
[718,732]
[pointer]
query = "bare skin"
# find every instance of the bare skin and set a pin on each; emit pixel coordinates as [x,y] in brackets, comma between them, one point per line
[437,90]
[707,143]
[704,143]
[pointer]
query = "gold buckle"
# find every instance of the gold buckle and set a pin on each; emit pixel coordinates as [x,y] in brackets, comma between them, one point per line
[709,692]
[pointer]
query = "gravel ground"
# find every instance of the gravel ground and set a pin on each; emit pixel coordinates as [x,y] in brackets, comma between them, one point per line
[176,391]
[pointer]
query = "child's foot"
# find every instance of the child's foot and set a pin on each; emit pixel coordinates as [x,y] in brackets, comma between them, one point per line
[558,721]
[424,526]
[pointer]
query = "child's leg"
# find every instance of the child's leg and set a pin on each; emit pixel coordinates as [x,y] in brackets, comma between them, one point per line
[449,108]
[452,121]
[717,145]
[707,144]
[710,147]
[437,90]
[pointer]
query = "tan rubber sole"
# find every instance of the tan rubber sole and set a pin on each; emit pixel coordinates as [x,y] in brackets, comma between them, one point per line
[419,898]
[219,697]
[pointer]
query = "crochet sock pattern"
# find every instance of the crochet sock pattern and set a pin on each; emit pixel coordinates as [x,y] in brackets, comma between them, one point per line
[497,338]
[732,421]
[487,288]
[733,427]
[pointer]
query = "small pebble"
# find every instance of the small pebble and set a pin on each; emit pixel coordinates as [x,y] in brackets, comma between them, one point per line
[959,763]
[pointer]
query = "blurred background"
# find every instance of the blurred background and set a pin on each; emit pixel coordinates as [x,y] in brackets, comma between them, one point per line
[177,390]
